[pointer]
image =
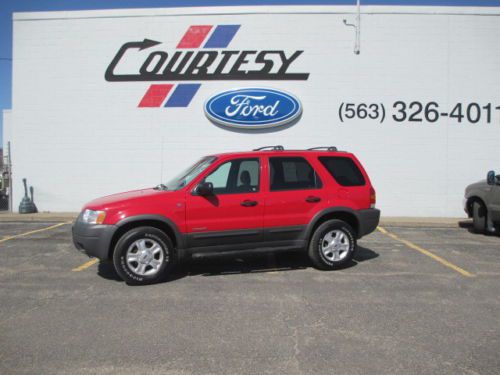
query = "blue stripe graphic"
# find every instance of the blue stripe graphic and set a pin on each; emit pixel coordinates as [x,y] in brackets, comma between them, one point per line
[222,36]
[182,95]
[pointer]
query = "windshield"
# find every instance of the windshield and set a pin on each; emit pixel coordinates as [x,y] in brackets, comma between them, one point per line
[186,176]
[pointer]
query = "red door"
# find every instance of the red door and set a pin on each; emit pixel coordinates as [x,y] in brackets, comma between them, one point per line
[295,193]
[233,214]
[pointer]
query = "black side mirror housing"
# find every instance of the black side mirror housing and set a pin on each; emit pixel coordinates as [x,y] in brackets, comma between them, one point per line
[204,189]
[491,178]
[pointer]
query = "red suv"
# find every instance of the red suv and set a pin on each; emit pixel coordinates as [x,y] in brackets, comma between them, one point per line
[270,199]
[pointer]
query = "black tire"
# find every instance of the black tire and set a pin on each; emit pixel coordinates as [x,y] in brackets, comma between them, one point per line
[479,217]
[318,239]
[151,237]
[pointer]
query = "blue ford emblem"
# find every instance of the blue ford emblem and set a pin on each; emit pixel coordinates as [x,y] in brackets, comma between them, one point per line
[253,108]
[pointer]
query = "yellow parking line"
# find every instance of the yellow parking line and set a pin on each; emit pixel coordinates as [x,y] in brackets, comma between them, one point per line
[437,258]
[382,230]
[85,265]
[7,238]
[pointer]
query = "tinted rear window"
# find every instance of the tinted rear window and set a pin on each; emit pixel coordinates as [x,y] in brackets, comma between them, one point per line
[343,170]
[292,173]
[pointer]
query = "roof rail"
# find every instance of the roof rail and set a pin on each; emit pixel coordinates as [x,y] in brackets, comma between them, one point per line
[274,148]
[327,148]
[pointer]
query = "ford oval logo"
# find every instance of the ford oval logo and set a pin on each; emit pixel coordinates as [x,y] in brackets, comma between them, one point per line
[253,108]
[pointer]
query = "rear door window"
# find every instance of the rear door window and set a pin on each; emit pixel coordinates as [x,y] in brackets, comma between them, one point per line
[292,173]
[343,170]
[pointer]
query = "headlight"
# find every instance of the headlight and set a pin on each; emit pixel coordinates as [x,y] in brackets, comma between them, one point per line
[93,217]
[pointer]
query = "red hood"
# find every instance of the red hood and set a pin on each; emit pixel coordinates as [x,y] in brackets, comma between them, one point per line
[122,199]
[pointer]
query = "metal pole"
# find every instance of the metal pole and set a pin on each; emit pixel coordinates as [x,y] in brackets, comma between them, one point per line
[357,46]
[357,26]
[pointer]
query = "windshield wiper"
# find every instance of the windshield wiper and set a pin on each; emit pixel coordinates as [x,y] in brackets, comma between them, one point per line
[161,187]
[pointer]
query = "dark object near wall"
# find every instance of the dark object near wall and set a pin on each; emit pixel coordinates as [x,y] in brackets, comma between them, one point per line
[4,202]
[27,206]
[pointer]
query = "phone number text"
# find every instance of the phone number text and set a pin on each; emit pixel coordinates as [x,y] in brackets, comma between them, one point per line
[420,112]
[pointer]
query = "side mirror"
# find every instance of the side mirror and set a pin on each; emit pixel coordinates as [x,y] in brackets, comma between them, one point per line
[491,178]
[204,189]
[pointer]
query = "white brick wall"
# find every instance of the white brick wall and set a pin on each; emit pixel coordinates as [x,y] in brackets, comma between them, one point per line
[76,136]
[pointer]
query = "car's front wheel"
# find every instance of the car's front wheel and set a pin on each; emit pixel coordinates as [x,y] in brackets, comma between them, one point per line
[332,245]
[479,216]
[143,255]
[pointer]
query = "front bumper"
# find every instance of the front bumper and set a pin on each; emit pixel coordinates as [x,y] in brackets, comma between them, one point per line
[91,239]
[368,221]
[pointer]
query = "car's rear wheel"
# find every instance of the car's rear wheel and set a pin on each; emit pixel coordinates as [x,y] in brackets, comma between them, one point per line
[479,217]
[332,245]
[143,255]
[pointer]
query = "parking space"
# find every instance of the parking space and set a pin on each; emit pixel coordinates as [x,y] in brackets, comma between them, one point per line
[12,229]
[394,310]
[478,254]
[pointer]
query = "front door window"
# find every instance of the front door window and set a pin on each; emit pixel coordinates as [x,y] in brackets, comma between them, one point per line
[235,177]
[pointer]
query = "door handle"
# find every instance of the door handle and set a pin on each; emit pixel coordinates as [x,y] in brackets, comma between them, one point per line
[249,203]
[312,199]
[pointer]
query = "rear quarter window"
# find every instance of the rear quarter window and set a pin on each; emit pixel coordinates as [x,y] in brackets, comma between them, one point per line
[343,170]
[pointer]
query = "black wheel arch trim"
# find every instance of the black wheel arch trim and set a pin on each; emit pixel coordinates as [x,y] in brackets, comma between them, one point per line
[366,220]
[179,239]
[325,212]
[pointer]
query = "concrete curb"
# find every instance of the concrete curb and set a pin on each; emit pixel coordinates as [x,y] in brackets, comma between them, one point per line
[431,222]
[40,217]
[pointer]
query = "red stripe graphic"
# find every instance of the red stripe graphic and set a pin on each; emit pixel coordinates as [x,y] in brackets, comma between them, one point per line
[155,95]
[194,36]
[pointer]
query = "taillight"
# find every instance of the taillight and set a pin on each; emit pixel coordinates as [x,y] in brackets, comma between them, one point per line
[373,197]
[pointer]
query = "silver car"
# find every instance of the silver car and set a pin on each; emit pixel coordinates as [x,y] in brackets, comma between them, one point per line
[482,203]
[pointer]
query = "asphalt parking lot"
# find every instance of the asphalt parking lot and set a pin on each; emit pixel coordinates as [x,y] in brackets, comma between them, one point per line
[417,300]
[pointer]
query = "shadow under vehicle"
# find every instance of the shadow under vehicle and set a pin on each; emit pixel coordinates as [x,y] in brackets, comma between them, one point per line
[250,264]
